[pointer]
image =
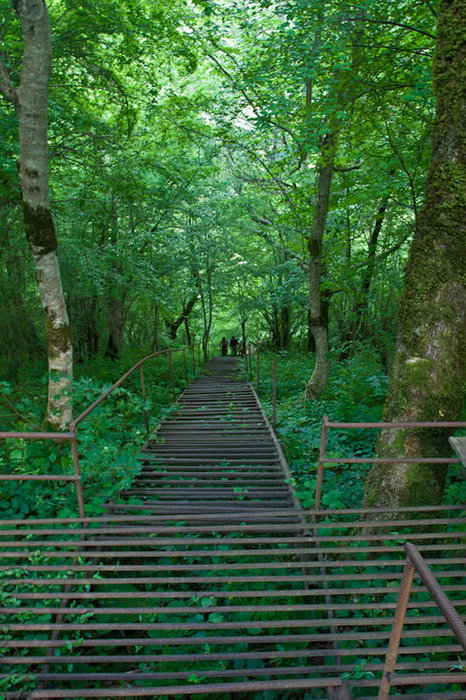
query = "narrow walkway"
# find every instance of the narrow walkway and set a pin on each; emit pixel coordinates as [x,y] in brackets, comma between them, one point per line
[217,454]
[208,579]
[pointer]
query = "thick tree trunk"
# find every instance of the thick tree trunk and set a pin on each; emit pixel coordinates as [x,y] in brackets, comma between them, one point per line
[317,317]
[30,100]
[428,373]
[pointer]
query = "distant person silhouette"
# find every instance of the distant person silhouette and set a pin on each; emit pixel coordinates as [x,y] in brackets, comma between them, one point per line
[224,346]
[234,345]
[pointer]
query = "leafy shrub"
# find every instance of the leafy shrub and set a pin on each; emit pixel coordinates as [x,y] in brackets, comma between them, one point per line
[355,393]
[108,439]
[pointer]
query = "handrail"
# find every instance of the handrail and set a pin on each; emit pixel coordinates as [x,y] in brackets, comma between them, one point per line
[71,435]
[258,356]
[118,383]
[323,459]
[415,562]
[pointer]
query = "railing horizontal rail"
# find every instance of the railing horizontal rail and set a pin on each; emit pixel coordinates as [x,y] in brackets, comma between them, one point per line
[399,424]
[328,460]
[39,477]
[388,460]
[23,435]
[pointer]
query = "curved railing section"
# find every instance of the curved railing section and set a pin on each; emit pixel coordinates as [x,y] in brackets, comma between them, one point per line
[71,435]
[416,563]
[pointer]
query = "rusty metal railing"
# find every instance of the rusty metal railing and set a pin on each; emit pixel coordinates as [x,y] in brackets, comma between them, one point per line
[71,435]
[254,350]
[415,562]
[324,459]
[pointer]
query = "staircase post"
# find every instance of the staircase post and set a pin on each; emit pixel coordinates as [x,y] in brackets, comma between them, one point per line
[143,392]
[320,466]
[397,629]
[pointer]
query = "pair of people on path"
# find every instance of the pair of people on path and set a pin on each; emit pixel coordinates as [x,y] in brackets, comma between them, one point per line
[233,346]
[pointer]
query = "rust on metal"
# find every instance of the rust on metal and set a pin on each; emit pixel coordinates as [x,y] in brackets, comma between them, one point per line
[206,577]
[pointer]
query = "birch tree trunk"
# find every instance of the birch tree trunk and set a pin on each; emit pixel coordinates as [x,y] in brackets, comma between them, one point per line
[30,100]
[429,368]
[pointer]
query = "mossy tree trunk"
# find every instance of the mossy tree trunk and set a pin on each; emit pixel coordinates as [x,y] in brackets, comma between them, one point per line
[428,372]
[30,100]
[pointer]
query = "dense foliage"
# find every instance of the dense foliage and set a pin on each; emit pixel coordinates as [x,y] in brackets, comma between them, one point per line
[172,132]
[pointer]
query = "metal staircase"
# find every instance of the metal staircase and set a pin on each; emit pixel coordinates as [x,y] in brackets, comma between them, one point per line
[207,579]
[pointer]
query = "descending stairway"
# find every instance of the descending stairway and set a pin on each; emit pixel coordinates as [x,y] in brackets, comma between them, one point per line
[216,454]
[207,579]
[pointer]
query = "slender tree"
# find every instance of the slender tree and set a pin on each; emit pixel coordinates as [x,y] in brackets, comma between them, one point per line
[30,100]
[429,368]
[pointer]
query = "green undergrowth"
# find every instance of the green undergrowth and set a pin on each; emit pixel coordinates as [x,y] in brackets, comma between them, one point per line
[355,393]
[109,438]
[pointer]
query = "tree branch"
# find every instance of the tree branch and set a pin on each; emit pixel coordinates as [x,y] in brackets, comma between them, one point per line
[390,23]
[289,254]
[348,168]
[6,88]
[248,99]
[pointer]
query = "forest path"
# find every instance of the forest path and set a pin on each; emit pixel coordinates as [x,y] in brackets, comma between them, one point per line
[208,579]
[215,455]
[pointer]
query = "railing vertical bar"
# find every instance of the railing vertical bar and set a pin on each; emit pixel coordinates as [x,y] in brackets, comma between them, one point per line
[185,365]
[172,375]
[274,393]
[397,629]
[193,349]
[320,467]
[258,372]
[143,392]
[79,486]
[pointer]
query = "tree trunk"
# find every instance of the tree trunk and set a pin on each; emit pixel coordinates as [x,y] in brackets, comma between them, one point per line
[243,335]
[285,314]
[318,320]
[187,331]
[174,325]
[30,100]
[207,306]
[361,312]
[428,373]
[117,314]
[208,313]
